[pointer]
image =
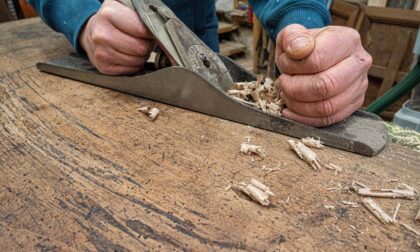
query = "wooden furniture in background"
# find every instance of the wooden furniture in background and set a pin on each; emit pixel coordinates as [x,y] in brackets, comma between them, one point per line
[26,9]
[344,13]
[5,14]
[388,34]
[228,46]
[377,3]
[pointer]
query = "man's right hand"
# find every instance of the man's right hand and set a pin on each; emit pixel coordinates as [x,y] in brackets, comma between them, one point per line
[116,40]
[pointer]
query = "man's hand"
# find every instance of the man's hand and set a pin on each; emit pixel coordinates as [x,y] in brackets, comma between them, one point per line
[115,40]
[324,73]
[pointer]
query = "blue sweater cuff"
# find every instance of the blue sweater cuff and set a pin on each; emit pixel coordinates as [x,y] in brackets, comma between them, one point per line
[73,26]
[309,16]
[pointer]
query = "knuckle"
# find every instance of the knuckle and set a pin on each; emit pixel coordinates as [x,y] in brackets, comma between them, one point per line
[355,35]
[106,12]
[101,56]
[325,84]
[98,36]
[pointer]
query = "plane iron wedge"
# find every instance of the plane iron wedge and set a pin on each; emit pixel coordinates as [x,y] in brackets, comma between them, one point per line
[363,133]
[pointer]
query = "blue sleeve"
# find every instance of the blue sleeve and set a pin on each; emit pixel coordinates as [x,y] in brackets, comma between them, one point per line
[66,16]
[277,14]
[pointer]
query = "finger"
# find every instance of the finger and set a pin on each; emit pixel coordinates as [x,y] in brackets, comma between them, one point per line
[332,45]
[126,20]
[111,56]
[130,45]
[329,106]
[328,120]
[119,70]
[295,41]
[321,86]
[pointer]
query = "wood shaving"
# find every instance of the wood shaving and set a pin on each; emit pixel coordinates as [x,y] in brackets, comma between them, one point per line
[270,170]
[249,149]
[388,193]
[305,153]
[228,187]
[408,187]
[257,191]
[152,113]
[377,211]
[334,168]
[312,142]
[329,207]
[397,209]
[259,94]
[417,233]
[349,203]
[417,218]
[407,192]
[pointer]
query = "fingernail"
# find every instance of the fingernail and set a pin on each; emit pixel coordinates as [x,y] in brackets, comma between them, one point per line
[299,43]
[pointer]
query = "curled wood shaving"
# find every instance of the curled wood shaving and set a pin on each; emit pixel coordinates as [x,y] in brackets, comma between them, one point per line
[152,113]
[377,211]
[417,233]
[257,191]
[417,218]
[305,153]
[259,94]
[312,142]
[249,149]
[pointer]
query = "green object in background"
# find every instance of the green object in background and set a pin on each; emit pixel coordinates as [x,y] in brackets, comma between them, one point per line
[395,93]
[406,137]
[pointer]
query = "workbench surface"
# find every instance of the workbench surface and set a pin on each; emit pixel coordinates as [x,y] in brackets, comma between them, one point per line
[82,170]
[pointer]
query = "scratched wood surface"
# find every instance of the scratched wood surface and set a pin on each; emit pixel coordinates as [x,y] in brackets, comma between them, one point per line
[82,170]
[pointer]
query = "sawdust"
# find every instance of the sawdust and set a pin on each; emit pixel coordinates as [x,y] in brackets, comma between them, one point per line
[259,94]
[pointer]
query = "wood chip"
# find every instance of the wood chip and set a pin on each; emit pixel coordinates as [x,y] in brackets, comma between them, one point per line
[377,211]
[258,94]
[305,153]
[397,209]
[249,149]
[388,193]
[257,191]
[152,113]
[329,207]
[349,203]
[270,170]
[334,168]
[417,233]
[312,142]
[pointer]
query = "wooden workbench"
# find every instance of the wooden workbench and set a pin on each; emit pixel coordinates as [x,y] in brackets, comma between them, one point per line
[82,170]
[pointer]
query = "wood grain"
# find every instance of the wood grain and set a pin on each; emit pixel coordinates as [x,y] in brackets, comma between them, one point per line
[82,170]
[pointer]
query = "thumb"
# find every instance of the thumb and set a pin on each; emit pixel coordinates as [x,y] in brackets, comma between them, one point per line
[296,41]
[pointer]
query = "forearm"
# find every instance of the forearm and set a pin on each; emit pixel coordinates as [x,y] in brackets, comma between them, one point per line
[277,14]
[66,16]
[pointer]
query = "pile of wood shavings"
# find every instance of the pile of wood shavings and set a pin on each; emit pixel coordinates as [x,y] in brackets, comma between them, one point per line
[259,94]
